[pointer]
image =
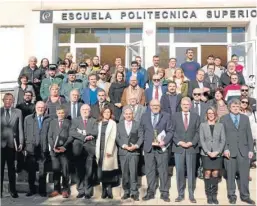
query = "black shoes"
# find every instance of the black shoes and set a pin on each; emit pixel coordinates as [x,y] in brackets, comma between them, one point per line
[248,201]
[192,200]
[125,196]
[148,197]
[14,195]
[135,197]
[80,195]
[215,200]
[232,200]
[165,198]
[104,193]
[179,199]
[30,193]
[209,200]
[43,194]
[87,196]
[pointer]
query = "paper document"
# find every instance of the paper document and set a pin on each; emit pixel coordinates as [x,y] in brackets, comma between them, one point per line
[161,137]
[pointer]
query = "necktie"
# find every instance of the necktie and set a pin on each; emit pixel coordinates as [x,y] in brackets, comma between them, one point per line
[7,115]
[74,112]
[85,123]
[60,124]
[186,121]
[236,121]
[155,119]
[101,106]
[39,122]
[156,95]
[197,107]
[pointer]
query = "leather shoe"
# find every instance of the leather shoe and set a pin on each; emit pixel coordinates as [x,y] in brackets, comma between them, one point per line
[165,199]
[87,196]
[179,199]
[43,194]
[249,201]
[232,201]
[148,197]
[125,196]
[80,195]
[65,194]
[54,194]
[192,200]
[30,193]
[135,197]
[14,195]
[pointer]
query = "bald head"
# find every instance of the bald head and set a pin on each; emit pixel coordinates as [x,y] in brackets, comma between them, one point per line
[40,108]
[155,106]
[85,111]
[133,81]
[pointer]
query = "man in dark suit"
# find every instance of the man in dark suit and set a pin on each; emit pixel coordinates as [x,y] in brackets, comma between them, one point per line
[11,140]
[156,90]
[100,104]
[36,147]
[58,138]
[170,101]
[238,152]
[84,132]
[73,106]
[200,83]
[157,134]
[185,146]
[153,69]
[129,143]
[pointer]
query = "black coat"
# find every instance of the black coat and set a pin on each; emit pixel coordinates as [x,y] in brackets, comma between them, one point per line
[115,94]
[95,110]
[165,103]
[26,109]
[194,84]
[225,79]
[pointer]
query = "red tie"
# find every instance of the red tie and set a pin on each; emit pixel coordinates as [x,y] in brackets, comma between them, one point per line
[186,122]
[156,95]
[85,123]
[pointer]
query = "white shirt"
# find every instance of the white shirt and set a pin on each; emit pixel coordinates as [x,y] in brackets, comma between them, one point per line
[200,84]
[155,69]
[135,108]
[188,117]
[134,74]
[128,126]
[199,107]
[159,92]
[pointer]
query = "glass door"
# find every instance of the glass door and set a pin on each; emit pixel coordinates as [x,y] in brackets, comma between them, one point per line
[83,52]
[133,50]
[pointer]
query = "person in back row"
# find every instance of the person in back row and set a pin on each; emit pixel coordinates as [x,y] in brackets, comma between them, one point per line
[89,94]
[190,67]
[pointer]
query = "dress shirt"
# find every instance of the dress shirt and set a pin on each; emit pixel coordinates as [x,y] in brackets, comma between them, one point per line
[159,92]
[199,107]
[134,74]
[188,116]
[155,69]
[200,84]
[10,111]
[152,117]
[101,84]
[128,126]
[233,116]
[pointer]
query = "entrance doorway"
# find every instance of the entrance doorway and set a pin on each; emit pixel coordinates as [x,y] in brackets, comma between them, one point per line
[216,51]
[108,53]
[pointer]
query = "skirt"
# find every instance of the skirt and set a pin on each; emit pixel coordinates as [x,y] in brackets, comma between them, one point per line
[212,163]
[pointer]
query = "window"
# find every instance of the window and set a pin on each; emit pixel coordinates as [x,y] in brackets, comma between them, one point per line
[162,35]
[200,34]
[117,35]
[135,34]
[62,51]
[238,34]
[64,35]
[163,53]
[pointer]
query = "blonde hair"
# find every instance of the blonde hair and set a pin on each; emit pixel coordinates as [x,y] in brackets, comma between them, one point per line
[214,111]
[54,86]
[182,74]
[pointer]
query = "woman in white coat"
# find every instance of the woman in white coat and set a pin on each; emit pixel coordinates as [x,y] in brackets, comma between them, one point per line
[106,152]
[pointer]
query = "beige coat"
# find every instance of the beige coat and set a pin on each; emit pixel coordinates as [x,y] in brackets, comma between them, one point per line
[106,88]
[110,163]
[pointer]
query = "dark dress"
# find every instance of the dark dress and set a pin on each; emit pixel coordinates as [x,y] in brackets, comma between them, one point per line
[115,94]
[106,177]
[212,163]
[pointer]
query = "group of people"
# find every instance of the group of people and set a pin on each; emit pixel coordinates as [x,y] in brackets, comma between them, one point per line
[101,119]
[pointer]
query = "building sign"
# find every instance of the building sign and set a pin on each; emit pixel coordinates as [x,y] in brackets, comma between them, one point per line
[46,17]
[156,15]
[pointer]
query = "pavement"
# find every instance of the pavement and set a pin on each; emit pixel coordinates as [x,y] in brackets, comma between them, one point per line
[118,192]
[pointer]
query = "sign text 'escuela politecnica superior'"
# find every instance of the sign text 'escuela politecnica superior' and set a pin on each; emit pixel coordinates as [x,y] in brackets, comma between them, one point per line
[160,14]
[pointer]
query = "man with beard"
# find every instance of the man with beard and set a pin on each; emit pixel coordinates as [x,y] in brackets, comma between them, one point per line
[27,107]
[212,79]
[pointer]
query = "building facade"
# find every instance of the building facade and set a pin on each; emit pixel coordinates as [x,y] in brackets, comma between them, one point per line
[118,28]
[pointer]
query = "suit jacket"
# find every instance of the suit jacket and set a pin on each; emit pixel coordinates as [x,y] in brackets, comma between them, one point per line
[124,97]
[62,134]
[12,129]
[106,88]
[68,109]
[149,93]
[150,72]
[86,95]
[166,106]
[194,84]
[146,130]
[140,78]
[110,163]
[16,93]
[238,140]
[214,84]
[189,135]
[203,109]
[123,138]
[137,114]
[35,138]
[91,129]
[209,142]
[95,110]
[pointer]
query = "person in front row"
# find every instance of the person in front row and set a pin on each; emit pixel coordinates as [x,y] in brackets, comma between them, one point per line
[212,139]
[106,152]
[84,131]
[156,131]
[238,152]
[129,143]
[59,140]
[185,147]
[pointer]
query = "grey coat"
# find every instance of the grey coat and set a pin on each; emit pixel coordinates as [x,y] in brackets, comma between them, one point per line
[209,142]
[203,109]
[189,135]
[13,129]
[123,138]
[137,114]
[238,140]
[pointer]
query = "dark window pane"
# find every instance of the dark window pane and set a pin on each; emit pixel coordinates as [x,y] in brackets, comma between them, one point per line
[64,35]
[84,53]
[238,34]
[117,35]
[101,34]
[199,30]
[136,34]
[162,35]
[83,35]
[62,51]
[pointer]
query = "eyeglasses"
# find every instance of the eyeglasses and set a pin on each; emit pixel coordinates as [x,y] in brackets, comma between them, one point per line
[197,94]
[244,102]
[102,73]
[156,80]
[244,90]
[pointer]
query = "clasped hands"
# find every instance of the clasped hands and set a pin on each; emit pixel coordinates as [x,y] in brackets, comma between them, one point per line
[130,148]
[87,138]
[185,144]
[213,154]
[160,143]
[59,149]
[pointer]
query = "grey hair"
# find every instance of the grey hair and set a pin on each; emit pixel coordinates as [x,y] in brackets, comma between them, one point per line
[186,99]
[127,107]
[74,90]
[233,101]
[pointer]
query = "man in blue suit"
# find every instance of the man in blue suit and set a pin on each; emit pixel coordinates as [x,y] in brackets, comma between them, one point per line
[134,71]
[156,90]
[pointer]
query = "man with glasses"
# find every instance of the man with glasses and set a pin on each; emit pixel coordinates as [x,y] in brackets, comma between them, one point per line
[102,83]
[198,106]
[233,90]
[200,83]
[134,72]
[212,79]
[156,90]
[245,94]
